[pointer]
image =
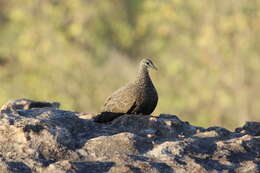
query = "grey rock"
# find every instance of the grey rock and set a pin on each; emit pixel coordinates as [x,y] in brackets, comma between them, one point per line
[252,128]
[25,104]
[52,140]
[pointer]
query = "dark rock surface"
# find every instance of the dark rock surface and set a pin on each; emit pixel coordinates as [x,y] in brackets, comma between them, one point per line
[45,139]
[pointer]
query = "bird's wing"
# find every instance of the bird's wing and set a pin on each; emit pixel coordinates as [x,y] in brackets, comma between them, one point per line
[122,100]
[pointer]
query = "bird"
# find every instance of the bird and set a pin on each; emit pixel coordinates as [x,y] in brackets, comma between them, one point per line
[136,97]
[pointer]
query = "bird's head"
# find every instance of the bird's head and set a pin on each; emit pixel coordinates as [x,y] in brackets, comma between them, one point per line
[147,63]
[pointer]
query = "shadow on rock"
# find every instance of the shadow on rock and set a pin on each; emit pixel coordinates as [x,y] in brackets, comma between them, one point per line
[79,167]
[15,167]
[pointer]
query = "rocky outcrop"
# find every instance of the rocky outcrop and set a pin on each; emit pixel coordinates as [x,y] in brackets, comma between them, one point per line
[41,138]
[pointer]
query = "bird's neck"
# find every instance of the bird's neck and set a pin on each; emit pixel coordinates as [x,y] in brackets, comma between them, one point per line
[142,76]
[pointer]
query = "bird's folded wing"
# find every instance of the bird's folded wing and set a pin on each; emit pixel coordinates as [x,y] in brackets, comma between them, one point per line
[122,100]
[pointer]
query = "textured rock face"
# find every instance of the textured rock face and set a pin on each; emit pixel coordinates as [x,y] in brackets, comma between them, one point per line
[45,139]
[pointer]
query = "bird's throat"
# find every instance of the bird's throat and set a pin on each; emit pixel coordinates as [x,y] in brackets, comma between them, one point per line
[143,76]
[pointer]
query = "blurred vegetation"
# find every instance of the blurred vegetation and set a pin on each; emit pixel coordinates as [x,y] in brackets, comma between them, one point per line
[78,52]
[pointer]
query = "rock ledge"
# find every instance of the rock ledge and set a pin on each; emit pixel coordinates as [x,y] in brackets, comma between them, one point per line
[38,137]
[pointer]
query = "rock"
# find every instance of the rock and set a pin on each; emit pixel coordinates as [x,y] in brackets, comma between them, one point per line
[26,104]
[78,167]
[46,139]
[103,147]
[252,128]
[14,167]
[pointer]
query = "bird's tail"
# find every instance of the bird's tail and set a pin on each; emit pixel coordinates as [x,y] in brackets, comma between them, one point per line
[105,117]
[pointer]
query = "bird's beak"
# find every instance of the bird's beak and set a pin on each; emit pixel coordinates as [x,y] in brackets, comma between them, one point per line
[154,67]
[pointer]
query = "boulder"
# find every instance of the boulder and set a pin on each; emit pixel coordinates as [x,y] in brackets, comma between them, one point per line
[38,137]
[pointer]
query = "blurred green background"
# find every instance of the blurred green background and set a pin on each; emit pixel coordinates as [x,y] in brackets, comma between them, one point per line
[78,52]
